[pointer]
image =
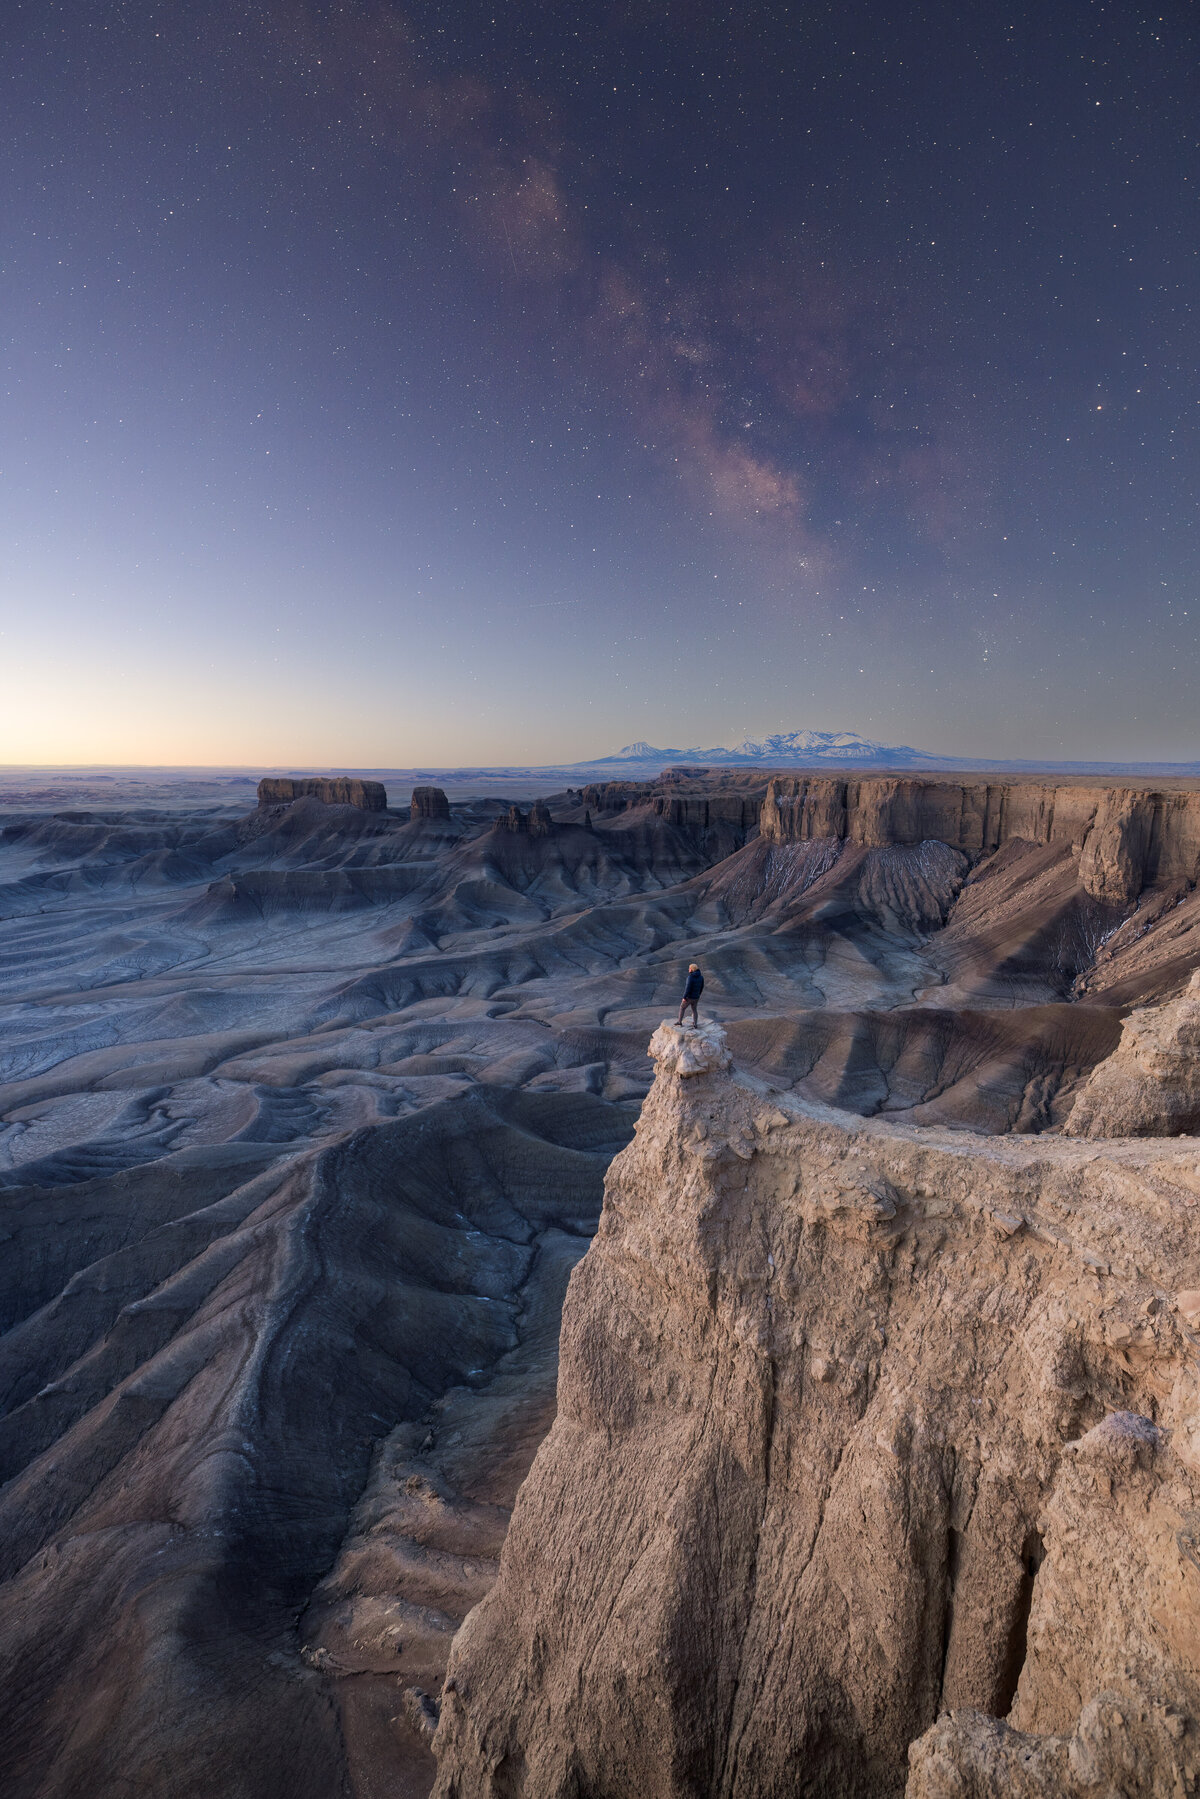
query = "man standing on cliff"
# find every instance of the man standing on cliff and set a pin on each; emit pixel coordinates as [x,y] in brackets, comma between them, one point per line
[691,994]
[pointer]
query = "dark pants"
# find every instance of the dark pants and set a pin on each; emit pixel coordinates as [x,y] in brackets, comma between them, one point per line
[683,1006]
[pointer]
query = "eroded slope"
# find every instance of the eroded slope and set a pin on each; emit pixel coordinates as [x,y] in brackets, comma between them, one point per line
[856,1423]
[304,1117]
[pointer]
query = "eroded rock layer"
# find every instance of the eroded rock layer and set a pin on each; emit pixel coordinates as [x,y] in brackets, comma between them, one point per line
[857,1425]
[238,1369]
[333,790]
[304,1116]
[1125,837]
[1150,1085]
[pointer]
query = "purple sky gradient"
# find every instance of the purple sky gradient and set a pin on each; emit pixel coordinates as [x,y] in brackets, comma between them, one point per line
[394,385]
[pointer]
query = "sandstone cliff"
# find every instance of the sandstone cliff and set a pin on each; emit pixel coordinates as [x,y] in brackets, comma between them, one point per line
[1150,1085]
[1125,837]
[429,802]
[868,1437]
[370,796]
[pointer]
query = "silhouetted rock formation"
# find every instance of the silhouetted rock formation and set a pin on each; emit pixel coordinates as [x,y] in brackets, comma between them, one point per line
[537,822]
[614,796]
[370,796]
[858,1426]
[429,802]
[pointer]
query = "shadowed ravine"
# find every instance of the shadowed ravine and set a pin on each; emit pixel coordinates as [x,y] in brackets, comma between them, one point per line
[305,1120]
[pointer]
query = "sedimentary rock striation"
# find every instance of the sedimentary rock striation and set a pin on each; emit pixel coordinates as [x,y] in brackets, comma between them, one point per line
[370,796]
[1125,837]
[305,1115]
[869,1441]
[1150,1085]
[429,802]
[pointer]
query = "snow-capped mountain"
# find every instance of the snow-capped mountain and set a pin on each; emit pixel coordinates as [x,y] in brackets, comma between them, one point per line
[842,746]
[783,747]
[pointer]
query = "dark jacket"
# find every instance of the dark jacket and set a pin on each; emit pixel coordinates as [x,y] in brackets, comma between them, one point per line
[695,985]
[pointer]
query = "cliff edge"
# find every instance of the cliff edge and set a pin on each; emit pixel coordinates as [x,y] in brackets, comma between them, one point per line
[1125,837]
[1150,1085]
[368,796]
[871,1442]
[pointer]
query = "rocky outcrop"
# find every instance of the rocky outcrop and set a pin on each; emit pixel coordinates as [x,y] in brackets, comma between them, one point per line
[614,796]
[1125,837]
[702,812]
[369,796]
[1150,1085]
[1116,858]
[1114,1635]
[868,1438]
[537,822]
[687,1051]
[429,802]
[256,1152]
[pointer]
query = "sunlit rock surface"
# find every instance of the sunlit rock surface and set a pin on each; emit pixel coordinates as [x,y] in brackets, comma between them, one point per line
[686,1050]
[858,1425]
[370,796]
[1150,1085]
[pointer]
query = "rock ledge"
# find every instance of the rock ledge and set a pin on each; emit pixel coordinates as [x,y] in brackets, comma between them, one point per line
[1150,1085]
[680,1050]
[369,796]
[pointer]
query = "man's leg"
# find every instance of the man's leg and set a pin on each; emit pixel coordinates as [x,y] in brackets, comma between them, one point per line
[682,1009]
[695,1015]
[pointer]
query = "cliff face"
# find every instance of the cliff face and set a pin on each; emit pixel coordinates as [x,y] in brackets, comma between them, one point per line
[703,812]
[370,796]
[537,822]
[1150,1085]
[1125,837]
[429,802]
[699,811]
[858,1425]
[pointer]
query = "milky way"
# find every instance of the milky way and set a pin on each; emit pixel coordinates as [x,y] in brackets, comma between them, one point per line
[413,384]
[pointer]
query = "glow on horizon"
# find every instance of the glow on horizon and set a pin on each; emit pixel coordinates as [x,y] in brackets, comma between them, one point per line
[347,425]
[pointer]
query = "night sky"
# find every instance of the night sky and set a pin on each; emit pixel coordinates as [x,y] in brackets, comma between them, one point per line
[391,384]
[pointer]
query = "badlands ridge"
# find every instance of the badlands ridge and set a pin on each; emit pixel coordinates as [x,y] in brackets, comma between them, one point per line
[874,1456]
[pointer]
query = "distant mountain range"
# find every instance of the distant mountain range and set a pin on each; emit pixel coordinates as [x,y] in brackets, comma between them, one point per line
[835,750]
[23,789]
[845,750]
[801,747]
